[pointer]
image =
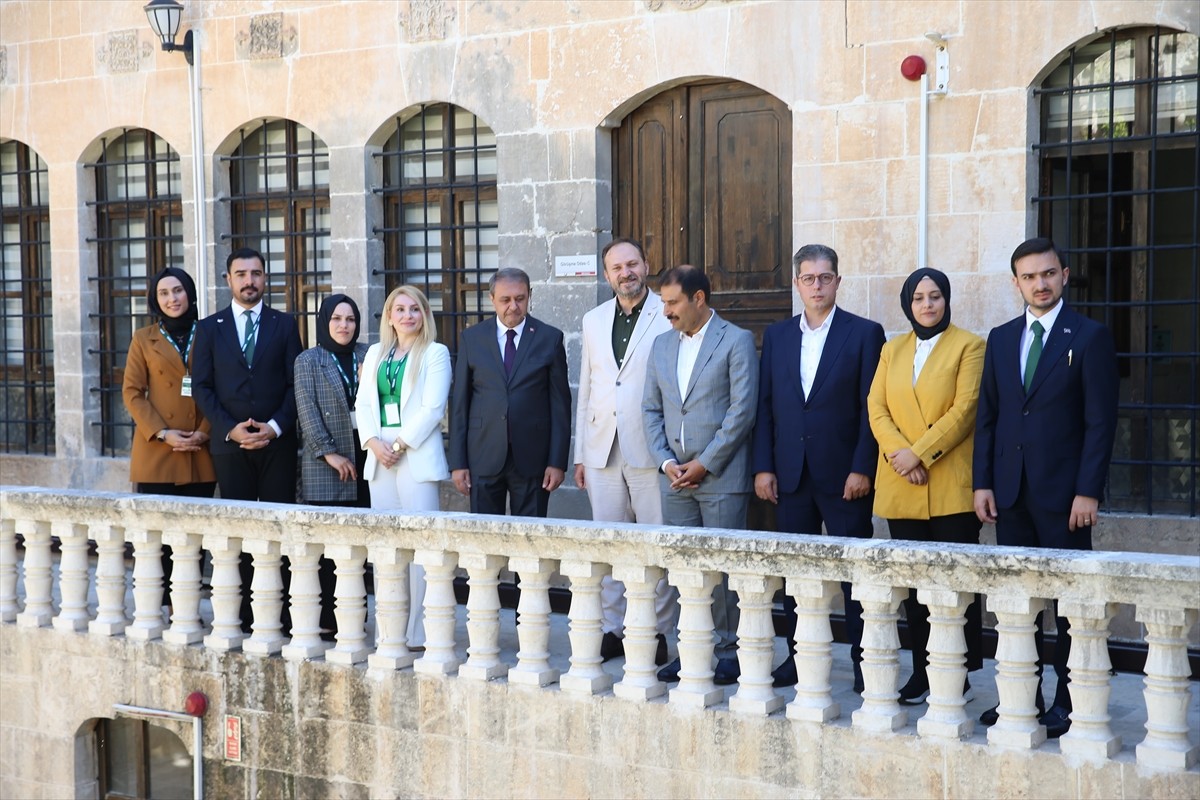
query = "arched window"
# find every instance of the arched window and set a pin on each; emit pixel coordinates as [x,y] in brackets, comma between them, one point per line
[279,204]
[1120,193]
[440,213]
[26,331]
[139,230]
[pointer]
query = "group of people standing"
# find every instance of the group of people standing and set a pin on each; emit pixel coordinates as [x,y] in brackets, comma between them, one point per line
[678,420]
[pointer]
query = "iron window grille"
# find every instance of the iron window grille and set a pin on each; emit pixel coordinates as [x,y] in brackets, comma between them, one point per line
[1119,192]
[26,327]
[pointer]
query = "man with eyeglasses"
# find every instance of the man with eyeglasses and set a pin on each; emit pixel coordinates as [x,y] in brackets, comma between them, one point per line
[813,453]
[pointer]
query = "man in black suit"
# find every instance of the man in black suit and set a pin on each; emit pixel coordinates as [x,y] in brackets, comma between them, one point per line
[510,412]
[1044,432]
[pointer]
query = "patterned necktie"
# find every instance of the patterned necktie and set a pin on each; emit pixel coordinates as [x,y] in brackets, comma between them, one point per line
[1035,353]
[248,340]
[510,351]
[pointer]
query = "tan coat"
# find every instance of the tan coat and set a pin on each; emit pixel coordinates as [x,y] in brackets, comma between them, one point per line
[935,418]
[153,376]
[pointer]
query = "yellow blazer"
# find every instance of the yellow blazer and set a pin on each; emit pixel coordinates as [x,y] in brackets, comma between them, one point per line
[935,419]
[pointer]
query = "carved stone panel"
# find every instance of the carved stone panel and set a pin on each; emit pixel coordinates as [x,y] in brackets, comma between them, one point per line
[266,38]
[427,20]
[123,52]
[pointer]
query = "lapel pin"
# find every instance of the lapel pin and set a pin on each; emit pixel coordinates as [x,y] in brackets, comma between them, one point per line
[1066,330]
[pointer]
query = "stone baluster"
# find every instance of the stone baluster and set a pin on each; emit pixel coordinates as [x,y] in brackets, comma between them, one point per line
[947,670]
[38,609]
[441,607]
[1016,671]
[814,655]
[8,570]
[110,581]
[483,616]
[350,610]
[696,688]
[186,627]
[1090,736]
[147,585]
[756,644]
[640,681]
[586,675]
[1167,692]
[391,609]
[226,593]
[533,658]
[304,596]
[72,576]
[880,710]
[266,598]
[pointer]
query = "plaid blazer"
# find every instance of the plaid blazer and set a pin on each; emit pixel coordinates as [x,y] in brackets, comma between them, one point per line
[324,423]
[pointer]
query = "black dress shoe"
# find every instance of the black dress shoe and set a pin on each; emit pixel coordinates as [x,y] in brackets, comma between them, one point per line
[611,646]
[785,673]
[660,655]
[915,692]
[670,673]
[727,672]
[859,685]
[1057,721]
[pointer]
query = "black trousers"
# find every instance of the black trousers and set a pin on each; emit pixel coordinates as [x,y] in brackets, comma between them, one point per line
[951,529]
[174,490]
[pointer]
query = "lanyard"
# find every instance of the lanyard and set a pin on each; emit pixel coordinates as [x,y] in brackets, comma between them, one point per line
[350,381]
[186,352]
[248,336]
[387,369]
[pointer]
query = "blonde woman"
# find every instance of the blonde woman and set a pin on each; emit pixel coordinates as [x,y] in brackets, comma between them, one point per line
[400,407]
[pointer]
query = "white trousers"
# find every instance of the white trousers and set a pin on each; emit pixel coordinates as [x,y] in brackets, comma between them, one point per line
[394,489]
[621,493]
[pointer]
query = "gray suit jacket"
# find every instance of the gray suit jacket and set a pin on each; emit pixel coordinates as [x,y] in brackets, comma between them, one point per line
[713,420]
[324,420]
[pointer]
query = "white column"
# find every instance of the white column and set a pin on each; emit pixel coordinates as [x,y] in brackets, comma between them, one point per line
[110,580]
[226,593]
[814,655]
[533,659]
[440,657]
[880,709]
[186,627]
[756,644]
[8,570]
[696,688]
[72,576]
[483,616]
[38,610]
[350,608]
[1091,735]
[304,595]
[1016,671]
[266,598]
[946,717]
[147,585]
[391,609]
[586,675]
[1168,692]
[640,681]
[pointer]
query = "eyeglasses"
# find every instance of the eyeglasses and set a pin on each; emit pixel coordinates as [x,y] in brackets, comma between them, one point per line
[826,278]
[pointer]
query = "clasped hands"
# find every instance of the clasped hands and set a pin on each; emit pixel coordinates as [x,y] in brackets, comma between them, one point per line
[908,466]
[251,435]
[185,441]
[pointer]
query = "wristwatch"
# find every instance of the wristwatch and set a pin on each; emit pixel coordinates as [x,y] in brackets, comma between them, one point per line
[161,435]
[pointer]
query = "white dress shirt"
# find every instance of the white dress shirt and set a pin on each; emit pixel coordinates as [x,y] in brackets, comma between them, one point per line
[239,320]
[1047,321]
[502,334]
[689,349]
[924,348]
[812,344]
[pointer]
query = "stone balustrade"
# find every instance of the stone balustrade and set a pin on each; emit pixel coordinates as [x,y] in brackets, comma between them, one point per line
[1018,583]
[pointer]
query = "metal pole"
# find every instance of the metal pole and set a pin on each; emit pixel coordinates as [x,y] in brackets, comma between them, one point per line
[923,191]
[198,195]
[197,738]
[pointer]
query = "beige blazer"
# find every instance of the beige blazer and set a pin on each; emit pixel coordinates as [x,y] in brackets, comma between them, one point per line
[423,394]
[610,399]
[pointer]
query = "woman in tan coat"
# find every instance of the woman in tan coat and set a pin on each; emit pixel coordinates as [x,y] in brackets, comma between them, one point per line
[922,411]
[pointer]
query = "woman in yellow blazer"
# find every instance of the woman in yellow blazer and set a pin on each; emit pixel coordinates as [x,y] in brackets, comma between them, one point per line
[922,411]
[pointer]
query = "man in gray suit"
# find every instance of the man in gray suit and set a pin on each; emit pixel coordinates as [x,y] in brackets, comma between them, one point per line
[699,408]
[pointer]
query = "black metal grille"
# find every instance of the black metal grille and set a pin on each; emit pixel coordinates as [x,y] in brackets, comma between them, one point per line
[139,230]
[26,329]
[279,177]
[441,217]
[1120,192]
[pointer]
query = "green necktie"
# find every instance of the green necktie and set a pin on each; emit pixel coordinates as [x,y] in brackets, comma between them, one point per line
[1035,353]
[248,341]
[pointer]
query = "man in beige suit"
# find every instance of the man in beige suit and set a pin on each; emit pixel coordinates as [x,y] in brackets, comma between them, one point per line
[612,460]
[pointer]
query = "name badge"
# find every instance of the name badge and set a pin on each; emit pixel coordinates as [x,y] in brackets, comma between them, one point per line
[354,420]
[391,414]
[185,388]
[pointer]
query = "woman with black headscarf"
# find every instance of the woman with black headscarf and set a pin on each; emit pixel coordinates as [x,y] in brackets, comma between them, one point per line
[922,410]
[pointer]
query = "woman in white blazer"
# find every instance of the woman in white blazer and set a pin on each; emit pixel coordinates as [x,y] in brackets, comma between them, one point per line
[400,407]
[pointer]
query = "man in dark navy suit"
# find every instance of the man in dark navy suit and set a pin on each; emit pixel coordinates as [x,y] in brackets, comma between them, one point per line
[1044,431]
[814,455]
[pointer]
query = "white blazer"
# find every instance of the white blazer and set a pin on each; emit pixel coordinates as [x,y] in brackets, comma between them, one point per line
[610,399]
[423,394]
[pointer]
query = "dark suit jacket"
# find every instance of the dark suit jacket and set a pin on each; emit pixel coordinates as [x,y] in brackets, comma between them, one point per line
[1061,434]
[829,430]
[533,404]
[228,391]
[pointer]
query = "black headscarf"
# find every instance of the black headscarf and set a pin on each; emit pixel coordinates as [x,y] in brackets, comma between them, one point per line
[324,339]
[910,288]
[177,327]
